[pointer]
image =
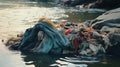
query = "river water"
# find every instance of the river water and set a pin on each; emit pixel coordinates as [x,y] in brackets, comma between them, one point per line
[18,15]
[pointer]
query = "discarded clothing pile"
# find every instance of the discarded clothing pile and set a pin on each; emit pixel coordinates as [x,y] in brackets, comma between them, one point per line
[46,38]
[85,40]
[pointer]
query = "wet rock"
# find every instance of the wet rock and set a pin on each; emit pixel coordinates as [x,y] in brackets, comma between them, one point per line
[96,4]
[14,42]
[76,2]
[114,38]
[14,46]
[102,4]
[109,20]
[108,4]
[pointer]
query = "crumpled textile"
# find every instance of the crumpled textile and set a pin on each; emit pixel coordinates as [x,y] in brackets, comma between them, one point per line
[53,40]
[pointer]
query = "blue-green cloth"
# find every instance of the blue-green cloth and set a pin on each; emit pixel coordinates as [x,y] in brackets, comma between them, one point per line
[54,40]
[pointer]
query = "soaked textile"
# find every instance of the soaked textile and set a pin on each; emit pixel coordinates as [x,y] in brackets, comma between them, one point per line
[44,38]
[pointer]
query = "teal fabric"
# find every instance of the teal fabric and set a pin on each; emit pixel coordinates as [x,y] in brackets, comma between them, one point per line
[84,45]
[54,40]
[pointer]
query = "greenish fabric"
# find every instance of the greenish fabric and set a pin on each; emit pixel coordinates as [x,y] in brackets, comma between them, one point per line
[54,39]
[84,45]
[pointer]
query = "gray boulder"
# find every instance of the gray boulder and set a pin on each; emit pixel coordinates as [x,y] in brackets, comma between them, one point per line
[107,21]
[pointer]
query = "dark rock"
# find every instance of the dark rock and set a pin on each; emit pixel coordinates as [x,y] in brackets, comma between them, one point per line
[14,46]
[114,50]
[96,4]
[109,4]
[100,4]
[76,2]
[114,38]
[14,42]
[104,4]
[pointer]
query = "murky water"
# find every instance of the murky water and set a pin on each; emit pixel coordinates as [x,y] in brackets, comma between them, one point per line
[18,15]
